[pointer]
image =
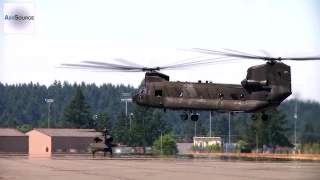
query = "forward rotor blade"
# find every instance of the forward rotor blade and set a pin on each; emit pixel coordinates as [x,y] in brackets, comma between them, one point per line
[315,58]
[83,66]
[125,71]
[184,61]
[102,69]
[118,66]
[265,53]
[124,61]
[102,65]
[199,62]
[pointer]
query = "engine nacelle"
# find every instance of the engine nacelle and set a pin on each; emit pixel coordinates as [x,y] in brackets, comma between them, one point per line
[252,83]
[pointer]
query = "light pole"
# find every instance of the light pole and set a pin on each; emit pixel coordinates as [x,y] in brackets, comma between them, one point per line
[229,127]
[49,101]
[95,117]
[126,99]
[210,124]
[295,123]
[161,141]
[131,114]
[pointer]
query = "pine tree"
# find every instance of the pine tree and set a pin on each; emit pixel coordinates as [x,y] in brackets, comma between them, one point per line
[77,114]
[270,133]
[140,127]
[155,126]
[308,134]
[102,121]
[120,128]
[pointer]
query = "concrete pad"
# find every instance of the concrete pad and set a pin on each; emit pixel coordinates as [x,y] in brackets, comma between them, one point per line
[83,168]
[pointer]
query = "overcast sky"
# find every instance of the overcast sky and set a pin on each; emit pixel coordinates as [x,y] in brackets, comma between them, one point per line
[149,33]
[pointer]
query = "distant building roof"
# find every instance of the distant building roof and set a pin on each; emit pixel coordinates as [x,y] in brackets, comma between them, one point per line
[68,132]
[10,132]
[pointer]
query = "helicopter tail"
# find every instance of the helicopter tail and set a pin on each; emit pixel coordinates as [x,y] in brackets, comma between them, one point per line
[270,81]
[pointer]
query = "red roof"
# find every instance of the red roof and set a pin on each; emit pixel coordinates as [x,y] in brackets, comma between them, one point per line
[10,132]
[68,132]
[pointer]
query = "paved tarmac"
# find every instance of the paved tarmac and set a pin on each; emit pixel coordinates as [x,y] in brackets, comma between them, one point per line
[85,168]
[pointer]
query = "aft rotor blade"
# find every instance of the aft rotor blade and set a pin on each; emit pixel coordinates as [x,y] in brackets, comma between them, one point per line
[203,62]
[190,67]
[241,52]
[213,52]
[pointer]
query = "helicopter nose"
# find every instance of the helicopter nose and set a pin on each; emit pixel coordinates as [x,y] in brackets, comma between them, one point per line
[135,98]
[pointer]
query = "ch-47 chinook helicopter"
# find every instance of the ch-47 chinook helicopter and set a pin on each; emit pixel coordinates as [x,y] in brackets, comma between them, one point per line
[264,87]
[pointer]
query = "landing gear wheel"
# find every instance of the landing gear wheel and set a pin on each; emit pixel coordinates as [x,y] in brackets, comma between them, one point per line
[254,117]
[264,117]
[184,116]
[194,117]
[93,153]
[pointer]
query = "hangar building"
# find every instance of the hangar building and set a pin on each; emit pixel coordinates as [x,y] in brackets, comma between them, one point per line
[13,141]
[43,141]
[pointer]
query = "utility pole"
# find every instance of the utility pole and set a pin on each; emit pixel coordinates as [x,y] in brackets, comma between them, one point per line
[161,141]
[126,99]
[229,127]
[257,140]
[210,124]
[49,101]
[185,143]
[195,129]
[295,123]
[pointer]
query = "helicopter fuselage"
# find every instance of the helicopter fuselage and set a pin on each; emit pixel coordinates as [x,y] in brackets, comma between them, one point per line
[202,96]
[265,87]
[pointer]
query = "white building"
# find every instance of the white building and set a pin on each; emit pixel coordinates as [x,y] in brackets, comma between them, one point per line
[206,141]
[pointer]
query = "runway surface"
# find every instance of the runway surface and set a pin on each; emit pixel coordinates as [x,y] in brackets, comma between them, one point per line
[85,168]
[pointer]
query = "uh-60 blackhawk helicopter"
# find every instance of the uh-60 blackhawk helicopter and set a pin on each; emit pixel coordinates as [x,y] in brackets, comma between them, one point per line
[103,143]
[264,87]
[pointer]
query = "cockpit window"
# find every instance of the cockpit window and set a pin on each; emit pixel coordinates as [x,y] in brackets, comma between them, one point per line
[143,89]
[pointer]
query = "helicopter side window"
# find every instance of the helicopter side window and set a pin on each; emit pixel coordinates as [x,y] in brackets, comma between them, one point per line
[158,93]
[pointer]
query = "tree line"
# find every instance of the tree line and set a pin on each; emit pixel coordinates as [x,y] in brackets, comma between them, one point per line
[23,106]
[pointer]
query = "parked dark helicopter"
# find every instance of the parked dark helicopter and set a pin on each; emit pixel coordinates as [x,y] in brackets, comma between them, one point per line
[265,86]
[103,143]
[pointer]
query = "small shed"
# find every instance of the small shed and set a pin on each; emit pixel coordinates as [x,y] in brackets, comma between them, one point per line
[44,141]
[13,141]
[206,141]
